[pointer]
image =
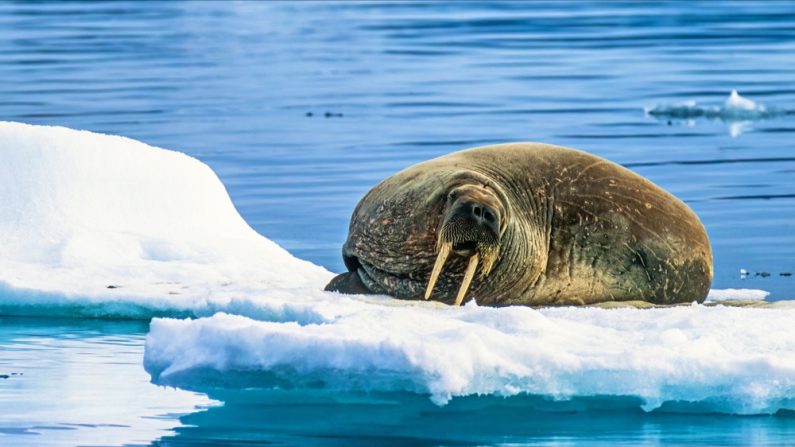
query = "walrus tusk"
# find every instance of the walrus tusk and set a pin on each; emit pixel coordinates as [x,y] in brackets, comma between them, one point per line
[444,251]
[468,275]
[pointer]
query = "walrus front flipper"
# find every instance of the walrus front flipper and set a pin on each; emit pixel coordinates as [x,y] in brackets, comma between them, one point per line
[349,283]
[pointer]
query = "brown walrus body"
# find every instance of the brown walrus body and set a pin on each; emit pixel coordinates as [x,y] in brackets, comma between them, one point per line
[525,224]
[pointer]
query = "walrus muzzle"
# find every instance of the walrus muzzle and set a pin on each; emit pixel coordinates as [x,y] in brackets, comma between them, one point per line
[471,229]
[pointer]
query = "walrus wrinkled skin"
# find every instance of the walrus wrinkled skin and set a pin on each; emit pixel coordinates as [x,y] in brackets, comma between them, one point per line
[525,224]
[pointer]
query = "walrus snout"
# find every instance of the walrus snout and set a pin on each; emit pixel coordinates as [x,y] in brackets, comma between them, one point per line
[471,227]
[468,223]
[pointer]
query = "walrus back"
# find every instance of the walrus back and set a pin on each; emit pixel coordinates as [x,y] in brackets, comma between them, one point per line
[612,234]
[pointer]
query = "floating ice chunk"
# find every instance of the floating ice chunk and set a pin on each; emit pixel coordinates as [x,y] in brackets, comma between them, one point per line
[737,111]
[737,294]
[735,101]
[735,108]
[719,359]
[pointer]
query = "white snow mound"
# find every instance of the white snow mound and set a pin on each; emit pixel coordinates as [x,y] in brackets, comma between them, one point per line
[83,212]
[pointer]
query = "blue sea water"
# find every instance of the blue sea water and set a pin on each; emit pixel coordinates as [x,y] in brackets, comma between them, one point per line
[301,107]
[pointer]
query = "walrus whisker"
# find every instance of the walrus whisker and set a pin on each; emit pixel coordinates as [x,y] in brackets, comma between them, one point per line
[468,275]
[444,251]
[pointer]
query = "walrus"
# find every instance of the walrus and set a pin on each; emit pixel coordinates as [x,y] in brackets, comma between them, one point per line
[525,224]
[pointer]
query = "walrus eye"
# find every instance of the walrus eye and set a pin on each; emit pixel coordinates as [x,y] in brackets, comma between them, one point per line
[452,196]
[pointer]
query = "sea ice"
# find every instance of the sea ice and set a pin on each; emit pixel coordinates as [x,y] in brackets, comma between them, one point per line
[735,108]
[716,295]
[99,225]
[737,111]
[104,226]
[715,359]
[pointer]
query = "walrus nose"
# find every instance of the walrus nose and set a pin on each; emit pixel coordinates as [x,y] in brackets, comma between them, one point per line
[480,213]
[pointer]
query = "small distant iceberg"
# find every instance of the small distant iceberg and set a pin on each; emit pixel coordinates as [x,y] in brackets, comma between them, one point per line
[735,108]
[737,111]
[718,295]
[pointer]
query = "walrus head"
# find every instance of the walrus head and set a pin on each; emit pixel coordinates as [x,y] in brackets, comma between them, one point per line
[472,225]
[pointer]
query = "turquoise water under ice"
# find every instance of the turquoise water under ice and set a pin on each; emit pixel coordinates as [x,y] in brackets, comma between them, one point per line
[247,86]
[80,382]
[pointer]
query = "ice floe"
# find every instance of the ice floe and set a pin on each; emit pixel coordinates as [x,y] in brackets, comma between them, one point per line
[716,359]
[737,111]
[716,295]
[104,226]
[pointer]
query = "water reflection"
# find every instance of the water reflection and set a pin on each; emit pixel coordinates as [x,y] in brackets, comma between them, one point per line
[80,382]
[256,417]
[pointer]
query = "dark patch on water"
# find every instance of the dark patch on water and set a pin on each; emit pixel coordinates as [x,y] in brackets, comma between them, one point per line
[17,431]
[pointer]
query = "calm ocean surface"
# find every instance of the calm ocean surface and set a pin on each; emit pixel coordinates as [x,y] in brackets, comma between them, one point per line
[302,107]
